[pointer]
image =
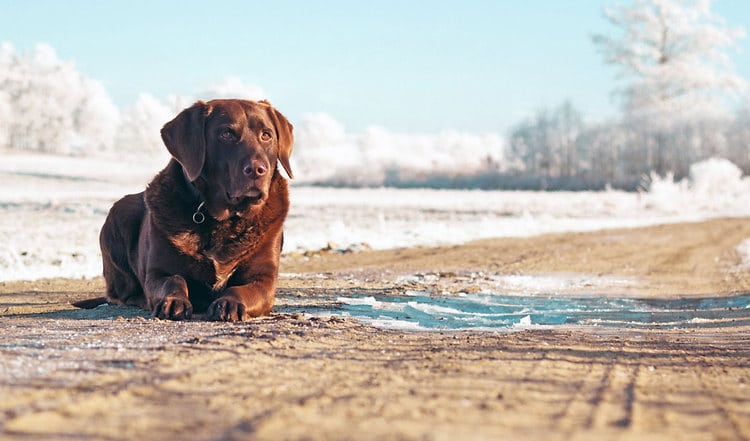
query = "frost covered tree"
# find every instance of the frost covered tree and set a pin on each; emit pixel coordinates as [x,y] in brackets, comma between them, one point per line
[546,144]
[321,146]
[140,126]
[674,70]
[325,152]
[738,141]
[55,108]
[672,58]
[141,123]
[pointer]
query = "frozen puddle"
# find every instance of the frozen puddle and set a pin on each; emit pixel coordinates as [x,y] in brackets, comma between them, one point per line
[422,311]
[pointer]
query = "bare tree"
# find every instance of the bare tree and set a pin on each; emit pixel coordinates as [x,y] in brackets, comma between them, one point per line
[546,144]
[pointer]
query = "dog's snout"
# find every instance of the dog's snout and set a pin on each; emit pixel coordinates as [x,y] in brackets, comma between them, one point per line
[255,168]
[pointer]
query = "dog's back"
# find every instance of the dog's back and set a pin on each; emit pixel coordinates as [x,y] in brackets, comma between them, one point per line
[119,242]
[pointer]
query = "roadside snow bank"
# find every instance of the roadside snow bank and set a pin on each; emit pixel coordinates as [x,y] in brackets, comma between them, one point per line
[51,210]
[714,185]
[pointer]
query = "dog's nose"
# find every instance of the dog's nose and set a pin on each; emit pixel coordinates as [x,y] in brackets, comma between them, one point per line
[255,168]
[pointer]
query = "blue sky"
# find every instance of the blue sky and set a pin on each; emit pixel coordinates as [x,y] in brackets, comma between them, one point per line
[469,65]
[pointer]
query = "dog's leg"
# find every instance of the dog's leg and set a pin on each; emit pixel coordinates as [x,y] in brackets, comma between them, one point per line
[239,303]
[122,286]
[168,297]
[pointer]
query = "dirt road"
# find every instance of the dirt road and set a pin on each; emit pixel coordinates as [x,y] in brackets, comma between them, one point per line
[115,374]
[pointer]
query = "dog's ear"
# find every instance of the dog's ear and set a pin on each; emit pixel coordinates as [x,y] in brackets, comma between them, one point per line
[286,138]
[185,138]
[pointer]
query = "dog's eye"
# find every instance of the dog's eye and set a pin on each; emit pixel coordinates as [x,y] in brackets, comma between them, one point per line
[227,136]
[265,136]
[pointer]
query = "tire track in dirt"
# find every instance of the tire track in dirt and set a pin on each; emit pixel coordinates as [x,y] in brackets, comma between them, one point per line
[604,397]
[567,420]
[295,377]
[580,410]
[738,424]
[615,408]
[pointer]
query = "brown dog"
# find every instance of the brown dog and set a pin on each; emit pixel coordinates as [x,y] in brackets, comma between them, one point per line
[206,235]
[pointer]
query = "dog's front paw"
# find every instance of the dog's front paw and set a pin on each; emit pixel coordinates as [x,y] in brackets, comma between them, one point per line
[226,309]
[173,308]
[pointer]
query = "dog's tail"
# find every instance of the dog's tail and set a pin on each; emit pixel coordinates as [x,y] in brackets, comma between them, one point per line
[90,303]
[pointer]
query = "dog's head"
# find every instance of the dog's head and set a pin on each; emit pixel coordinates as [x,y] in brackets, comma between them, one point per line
[229,150]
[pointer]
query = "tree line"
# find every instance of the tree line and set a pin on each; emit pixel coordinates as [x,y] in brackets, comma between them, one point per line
[562,151]
[675,84]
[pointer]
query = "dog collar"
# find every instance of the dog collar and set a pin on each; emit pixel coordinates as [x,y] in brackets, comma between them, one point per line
[199,217]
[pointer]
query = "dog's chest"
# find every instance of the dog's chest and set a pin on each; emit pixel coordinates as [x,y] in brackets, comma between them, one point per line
[222,273]
[216,256]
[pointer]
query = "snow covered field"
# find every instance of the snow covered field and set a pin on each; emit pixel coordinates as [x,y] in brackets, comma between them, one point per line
[51,210]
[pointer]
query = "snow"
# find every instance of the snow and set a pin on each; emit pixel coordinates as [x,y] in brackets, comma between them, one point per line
[525,321]
[52,207]
[558,283]
[744,251]
[497,311]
